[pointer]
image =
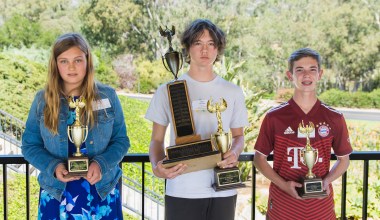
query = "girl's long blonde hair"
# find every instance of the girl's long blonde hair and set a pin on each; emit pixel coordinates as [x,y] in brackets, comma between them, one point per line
[54,86]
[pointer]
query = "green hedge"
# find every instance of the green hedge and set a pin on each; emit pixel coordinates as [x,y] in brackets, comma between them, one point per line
[338,98]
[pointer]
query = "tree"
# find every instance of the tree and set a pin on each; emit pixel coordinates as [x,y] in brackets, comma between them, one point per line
[110,24]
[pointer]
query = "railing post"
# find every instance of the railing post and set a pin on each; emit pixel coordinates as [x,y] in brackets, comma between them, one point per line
[365,189]
[253,210]
[5,191]
[27,181]
[143,191]
[343,197]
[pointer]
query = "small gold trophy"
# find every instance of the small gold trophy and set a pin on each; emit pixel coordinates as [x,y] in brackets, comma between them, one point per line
[227,178]
[77,133]
[312,186]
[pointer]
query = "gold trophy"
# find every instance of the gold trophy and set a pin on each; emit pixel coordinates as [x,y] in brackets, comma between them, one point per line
[189,149]
[312,186]
[77,133]
[227,178]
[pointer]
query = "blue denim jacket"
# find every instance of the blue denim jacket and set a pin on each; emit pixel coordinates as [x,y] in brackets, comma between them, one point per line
[107,143]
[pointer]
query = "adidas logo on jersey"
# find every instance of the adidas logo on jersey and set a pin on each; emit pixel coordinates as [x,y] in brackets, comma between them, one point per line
[289,130]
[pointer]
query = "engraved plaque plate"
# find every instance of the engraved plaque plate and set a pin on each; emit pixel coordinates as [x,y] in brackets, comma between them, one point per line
[313,187]
[190,149]
[180,108]
[227,178]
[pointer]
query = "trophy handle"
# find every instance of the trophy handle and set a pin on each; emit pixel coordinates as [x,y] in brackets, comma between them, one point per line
[163,61]
[69,133]
[302,157]
[180,60]
[213,143]
[85,130]
[316,156]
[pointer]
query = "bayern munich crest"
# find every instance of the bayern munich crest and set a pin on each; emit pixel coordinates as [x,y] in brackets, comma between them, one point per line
[323,131]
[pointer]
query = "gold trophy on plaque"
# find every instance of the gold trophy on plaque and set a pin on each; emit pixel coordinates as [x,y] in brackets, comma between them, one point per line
[77,133]
[227,178]
[312,186]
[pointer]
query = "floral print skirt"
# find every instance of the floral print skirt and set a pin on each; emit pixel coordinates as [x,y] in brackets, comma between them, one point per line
[80,201]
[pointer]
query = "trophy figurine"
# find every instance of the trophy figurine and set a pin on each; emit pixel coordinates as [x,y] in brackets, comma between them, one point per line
[227,178]
[312,186]
[77,133]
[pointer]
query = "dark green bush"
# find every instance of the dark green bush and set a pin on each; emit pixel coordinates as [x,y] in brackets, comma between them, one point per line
[375,97]
[151,75]
[361,100]
[338,98]
[20,79]
[20,31]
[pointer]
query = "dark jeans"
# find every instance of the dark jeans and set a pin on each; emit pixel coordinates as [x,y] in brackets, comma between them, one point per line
[219,208]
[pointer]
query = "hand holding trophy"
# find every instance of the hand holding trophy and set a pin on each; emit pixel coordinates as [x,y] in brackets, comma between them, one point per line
[77,133]
[312,186]
[227,178]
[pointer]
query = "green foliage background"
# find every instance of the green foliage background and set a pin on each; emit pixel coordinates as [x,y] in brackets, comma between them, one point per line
[260,34]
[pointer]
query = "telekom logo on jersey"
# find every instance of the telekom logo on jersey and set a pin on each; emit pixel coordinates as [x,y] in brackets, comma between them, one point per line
[296,152]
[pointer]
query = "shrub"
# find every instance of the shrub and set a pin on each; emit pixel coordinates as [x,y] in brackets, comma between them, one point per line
[151,75]
[338,98]
[103,69]
[19,31]
[21,78]
[361,100]
[375,97]
[123,66]
[284,94]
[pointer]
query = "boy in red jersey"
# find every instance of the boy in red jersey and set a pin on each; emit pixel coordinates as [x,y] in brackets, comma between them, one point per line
[279,133]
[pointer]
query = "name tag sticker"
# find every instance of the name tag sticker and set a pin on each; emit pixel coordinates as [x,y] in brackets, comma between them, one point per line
[199,105]
[101,104]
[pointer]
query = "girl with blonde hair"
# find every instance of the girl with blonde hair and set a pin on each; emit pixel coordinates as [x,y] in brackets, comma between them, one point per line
[46,145]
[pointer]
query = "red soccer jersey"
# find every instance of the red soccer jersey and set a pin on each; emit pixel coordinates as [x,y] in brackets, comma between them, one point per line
[279,133]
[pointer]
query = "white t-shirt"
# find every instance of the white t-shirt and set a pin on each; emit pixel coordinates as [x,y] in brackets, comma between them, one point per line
[199,184]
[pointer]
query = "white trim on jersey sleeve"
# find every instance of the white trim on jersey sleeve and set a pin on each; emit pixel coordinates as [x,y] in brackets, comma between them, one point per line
[261,153]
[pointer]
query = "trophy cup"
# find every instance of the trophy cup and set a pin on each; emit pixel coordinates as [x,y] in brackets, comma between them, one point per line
[312,186]
[172,59]
[189,149]
[77,133]
[227,178]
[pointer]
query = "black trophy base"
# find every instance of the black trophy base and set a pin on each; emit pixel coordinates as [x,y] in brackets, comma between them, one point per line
[226,179]
[77,166]
[312,188]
